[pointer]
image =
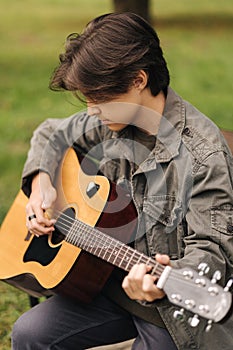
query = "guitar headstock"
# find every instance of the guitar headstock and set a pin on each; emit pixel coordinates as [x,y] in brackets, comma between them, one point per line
[192,291]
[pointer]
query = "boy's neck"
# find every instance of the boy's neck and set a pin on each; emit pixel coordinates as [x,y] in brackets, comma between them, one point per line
[152,110]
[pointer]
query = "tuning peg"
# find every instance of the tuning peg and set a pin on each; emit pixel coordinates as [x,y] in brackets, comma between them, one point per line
[209,325]
[203,269]
[216,277]
[178,314]
[228,285]
[194,321]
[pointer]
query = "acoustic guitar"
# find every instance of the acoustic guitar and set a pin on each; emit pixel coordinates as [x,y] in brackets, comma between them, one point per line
[96,221]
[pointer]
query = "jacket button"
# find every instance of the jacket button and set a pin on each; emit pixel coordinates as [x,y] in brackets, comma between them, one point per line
[187,132]
[230,228]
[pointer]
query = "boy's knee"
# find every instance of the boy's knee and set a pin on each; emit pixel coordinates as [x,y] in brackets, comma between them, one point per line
[22,336]
[17,335]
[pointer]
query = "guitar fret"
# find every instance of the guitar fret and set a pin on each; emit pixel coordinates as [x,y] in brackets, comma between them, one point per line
[129,264]
[71,234]
[76,239]
[105,255]
[110,256]
[92,244]
[108,252]
[153,271]
[116,253]
[139,259]
[94,249]
[105,246]
[122,259]
[108,248]
[126,258]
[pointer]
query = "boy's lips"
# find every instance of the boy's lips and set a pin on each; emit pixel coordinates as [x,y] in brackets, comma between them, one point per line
[106,121]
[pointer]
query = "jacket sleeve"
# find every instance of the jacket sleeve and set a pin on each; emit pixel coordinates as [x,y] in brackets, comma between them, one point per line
[52,138]
[209,217]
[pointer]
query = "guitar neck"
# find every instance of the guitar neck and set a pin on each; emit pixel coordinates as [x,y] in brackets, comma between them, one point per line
[204,297]
[103,246]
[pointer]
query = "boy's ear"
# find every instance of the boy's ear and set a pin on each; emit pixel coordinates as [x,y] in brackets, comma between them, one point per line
[141,80]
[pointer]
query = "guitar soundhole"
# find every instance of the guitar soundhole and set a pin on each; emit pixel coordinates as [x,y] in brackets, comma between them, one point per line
[62,226]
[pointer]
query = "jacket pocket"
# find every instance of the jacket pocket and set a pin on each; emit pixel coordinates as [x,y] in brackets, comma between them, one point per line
[165,208]
[222,230]
[162,216]
[222,219]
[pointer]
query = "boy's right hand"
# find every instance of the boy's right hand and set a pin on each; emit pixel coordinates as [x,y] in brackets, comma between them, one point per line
[42,197]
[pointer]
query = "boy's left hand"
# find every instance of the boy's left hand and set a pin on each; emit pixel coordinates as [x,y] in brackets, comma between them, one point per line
[141,285]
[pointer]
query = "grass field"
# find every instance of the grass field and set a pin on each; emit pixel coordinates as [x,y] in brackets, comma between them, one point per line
[197,41]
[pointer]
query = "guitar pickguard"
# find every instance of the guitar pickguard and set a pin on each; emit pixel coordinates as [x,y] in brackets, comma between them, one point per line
[40,251]
[44,249]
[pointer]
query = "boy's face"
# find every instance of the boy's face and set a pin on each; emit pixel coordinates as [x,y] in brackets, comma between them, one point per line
[118,113]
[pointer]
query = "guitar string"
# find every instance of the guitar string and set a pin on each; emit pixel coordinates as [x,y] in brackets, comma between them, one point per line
[173,275]
[135,255]
[133,259]
[106,240]
[109,242]
[101,235]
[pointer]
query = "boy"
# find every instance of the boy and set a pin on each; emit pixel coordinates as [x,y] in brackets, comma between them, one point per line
[168,156]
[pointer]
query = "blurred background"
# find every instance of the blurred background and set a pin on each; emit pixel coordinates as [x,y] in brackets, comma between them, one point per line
[196,37]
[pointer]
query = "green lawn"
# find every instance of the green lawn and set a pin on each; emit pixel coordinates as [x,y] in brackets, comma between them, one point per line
[197,41]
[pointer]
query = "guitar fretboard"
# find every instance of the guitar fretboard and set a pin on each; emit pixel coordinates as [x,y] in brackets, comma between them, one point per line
[103,246]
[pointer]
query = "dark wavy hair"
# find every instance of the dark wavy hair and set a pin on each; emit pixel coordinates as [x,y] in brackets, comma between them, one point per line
[103,61]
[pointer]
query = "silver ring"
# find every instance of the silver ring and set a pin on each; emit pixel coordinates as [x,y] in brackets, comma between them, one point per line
[33,216]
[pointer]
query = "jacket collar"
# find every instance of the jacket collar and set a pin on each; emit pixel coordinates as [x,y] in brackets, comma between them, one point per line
[169,134]
[170,129]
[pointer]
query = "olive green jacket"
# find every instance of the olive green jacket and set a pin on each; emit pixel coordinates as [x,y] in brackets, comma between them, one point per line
[182,192]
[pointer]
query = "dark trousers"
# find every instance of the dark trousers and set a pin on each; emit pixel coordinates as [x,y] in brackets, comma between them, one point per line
[58,323]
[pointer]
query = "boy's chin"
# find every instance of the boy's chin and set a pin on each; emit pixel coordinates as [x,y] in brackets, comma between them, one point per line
[116,127]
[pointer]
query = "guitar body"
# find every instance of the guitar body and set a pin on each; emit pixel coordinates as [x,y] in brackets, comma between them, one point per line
[49,264]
